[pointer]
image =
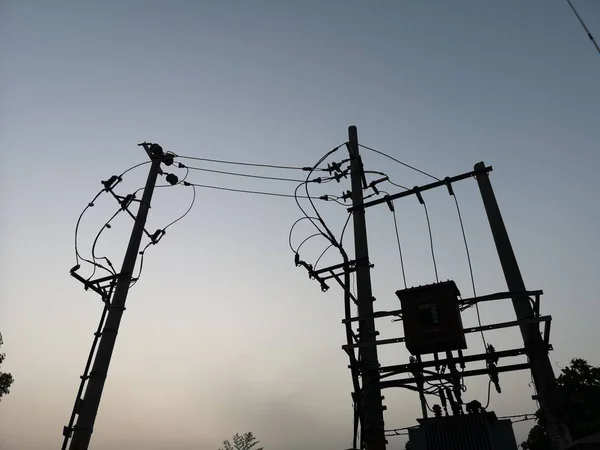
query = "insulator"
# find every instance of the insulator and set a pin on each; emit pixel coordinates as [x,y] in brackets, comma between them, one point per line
[156,150]
[172,179]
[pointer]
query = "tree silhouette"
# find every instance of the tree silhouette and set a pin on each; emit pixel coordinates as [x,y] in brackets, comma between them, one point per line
[579,391]
[244,441]
[6,379]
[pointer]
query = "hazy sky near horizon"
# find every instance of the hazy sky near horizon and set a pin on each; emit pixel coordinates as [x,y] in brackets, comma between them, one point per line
[222,333]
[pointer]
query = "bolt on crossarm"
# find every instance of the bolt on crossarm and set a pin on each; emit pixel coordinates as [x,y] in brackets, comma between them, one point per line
[371,404]
[88,406]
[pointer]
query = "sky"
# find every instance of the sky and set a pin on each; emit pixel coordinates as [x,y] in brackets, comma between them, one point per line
[222,333]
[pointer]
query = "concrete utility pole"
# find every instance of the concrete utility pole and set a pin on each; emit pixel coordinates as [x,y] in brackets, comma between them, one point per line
[88,406]
[541,368]
[370,400]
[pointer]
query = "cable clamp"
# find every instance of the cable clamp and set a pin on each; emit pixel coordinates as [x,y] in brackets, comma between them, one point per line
[389,202]
[127,201]
[111,182]
[157,236]
[417,192]
[449,185]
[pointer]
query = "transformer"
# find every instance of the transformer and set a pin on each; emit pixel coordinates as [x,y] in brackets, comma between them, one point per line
[467,432]
[431,318]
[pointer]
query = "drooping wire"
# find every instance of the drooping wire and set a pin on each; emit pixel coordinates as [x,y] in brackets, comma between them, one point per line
[292,231]
[488,395]
[387,178]
[78,256]
[164,229]
[464,235]
[591,38]
[247,191]
[238,163]
[394,213]
[186,212]
[321,255]
[139,274]
[344,228]
[399,249]
[398,161]
[330,235]
[107,225]
[437,279]
[89,205]
[261,177]
[96,258]
[393,210]
[134,167]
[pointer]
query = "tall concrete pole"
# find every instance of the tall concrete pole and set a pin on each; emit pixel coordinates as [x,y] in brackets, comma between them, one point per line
[88,408]
[541,368]
[372,409]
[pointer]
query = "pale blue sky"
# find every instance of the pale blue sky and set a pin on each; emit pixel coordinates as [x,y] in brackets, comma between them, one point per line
[223,333]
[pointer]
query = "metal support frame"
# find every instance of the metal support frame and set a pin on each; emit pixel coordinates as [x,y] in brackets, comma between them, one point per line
[465,374]
[417,190]
[493,326]
[86,407]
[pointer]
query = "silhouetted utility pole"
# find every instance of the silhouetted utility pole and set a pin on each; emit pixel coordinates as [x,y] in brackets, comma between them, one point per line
[537,351]
[88,406]
[371,401]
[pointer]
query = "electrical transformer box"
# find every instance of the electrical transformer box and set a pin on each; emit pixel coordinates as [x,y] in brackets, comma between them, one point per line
[467,432]
[431,318]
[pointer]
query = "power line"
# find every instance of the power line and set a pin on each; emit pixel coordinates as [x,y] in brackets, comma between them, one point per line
[464,235]
[261,177]
[154,242]
[94,257]
[584,26]
[186,212]
[89,205]
[437,279]
[292,231]
[321,255]
[239,163]
[247,191]
[398,161]
[489,394]
[393,211]
[135,167]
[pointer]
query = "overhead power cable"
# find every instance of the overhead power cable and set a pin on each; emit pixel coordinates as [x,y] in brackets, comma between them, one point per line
[398,161]
[589,35]
[247,175]
[106,226]
[247,191]
[399,247]
[164,230]
[464,235]
[239,163]
[437,278]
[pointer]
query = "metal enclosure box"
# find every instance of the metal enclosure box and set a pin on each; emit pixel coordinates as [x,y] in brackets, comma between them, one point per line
[431,318]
